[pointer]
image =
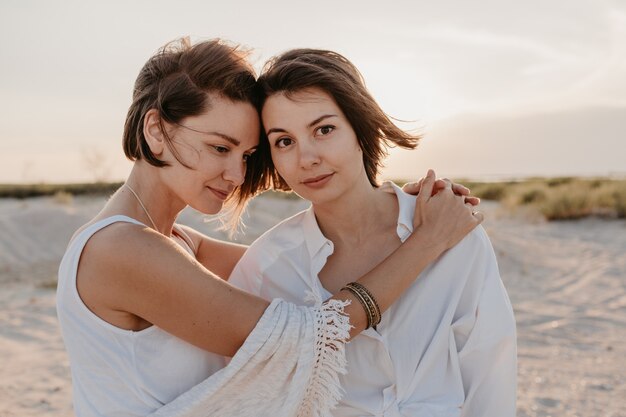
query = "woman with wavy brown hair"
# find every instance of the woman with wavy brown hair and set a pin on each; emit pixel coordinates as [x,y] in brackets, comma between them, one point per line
[447,346]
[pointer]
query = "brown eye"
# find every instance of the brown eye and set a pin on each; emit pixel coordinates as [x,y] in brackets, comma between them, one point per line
[220,149]
[325,130]
[283,142]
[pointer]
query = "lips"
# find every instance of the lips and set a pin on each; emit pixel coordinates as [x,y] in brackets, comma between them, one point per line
[221,194]
[318,181]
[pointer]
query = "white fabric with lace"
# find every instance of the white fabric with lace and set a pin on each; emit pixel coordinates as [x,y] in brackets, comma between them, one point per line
[288,366]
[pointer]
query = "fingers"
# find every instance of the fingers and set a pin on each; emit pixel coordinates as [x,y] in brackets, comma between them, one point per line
[439,185]
[427,186]
[474,201]
[459,189]
[445,183]
[412,188]
[479,216]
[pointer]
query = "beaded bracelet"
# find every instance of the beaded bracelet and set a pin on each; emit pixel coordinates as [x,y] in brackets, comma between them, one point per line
[371,299]
[368,311]
[367,300]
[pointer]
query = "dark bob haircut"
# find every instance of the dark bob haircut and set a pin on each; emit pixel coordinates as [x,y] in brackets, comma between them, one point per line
[176,82]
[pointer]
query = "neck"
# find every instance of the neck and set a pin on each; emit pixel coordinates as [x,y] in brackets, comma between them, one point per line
[357,215]
[162,206]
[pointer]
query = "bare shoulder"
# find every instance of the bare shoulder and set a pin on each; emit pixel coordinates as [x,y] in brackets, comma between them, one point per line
[116,261]
[134,277]
[123,248]
[116,242]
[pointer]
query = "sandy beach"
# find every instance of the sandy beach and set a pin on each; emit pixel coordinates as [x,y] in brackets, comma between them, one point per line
[566,280]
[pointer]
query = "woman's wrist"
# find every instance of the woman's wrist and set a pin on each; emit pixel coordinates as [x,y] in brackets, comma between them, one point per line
[428,245]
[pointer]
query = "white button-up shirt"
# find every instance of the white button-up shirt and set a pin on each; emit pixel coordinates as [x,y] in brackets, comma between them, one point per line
[447,347]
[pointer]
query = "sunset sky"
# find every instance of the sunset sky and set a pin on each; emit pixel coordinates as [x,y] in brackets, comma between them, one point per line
[499,88]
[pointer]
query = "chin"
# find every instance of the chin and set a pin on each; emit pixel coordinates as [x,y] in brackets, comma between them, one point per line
[210,208]
[319,196]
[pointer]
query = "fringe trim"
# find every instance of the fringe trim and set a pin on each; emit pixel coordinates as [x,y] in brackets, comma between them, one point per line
[332,331]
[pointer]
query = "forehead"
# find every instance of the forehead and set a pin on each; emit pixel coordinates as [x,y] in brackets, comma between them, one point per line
[303,104]
[236,119]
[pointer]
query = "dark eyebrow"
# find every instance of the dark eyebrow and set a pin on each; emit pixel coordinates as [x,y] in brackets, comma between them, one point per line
[225,137]
[319,119]
[275,130]
[313,123]
[218,134]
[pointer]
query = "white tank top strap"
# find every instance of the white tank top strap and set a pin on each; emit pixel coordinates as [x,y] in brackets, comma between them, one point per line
[90,230]
[79,240]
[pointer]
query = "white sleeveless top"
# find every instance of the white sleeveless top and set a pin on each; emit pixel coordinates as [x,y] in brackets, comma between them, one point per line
[118,372]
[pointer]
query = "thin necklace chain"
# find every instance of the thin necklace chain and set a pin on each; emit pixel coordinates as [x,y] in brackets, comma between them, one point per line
[142,206]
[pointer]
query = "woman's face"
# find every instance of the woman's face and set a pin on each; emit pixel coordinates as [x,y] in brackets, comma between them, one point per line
[215,145]
[314,147]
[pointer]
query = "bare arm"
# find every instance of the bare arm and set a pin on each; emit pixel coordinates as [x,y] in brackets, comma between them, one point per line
[129,269]
[441,221]
[138,273]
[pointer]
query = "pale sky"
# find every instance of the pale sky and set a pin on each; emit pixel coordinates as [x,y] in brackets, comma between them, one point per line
[499,88]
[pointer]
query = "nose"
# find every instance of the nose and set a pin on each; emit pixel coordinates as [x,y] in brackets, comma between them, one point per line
[309,154]
[235,171]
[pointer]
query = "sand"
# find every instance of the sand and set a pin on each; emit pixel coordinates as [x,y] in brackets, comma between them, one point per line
[566,280]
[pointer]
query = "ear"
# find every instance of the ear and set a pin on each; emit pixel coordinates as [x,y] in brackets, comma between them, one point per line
[153,133]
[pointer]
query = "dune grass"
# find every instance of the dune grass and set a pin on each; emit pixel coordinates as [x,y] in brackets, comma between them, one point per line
[561,198]
[22,191]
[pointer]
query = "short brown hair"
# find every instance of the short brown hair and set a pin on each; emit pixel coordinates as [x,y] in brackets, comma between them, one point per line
[176,82]
[299,69]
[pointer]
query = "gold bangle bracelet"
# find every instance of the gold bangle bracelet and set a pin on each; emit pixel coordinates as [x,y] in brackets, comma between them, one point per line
[369,299]
[366,304]
[369,294]
[368,311]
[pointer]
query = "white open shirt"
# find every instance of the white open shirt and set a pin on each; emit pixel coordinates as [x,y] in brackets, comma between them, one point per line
[447,347]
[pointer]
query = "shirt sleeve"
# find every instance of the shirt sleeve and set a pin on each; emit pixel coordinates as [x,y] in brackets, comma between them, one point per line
[487,346]
[247,274]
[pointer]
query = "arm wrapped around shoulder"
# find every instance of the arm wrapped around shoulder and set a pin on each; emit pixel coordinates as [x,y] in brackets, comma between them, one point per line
[288,366]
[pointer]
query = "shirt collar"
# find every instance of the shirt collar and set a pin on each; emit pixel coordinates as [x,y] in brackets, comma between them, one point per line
[313,236]
[406,210]
[315,239]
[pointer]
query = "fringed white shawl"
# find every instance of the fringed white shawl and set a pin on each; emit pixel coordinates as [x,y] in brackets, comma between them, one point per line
[288,366]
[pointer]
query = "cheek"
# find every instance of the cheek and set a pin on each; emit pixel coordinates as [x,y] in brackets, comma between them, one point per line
[186,155]
[208,163]
[283,162]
